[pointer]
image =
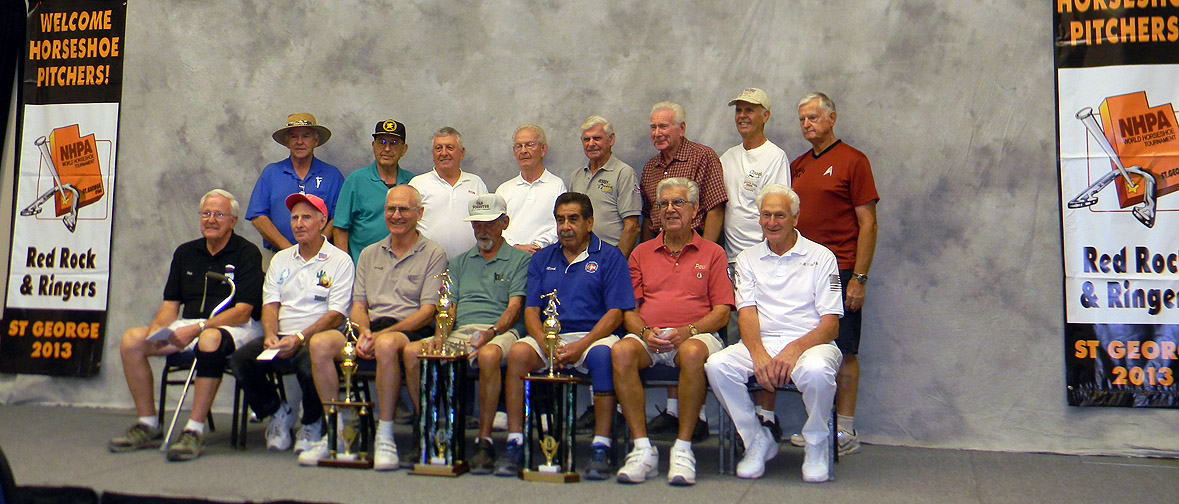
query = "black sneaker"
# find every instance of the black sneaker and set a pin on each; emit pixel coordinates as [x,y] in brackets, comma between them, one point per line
[483,461]
[412,456]
[663,426]
[700,433]
[585,422]
[599,467]
[186,448]
[508,465]
[772,425]
[137,437]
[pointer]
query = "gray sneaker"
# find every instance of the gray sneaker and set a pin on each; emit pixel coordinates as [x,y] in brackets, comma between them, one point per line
[137,437]
[188,447]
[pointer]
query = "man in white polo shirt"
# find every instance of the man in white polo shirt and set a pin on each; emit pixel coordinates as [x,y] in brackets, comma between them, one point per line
[530,194]
[446,191]
[789,301]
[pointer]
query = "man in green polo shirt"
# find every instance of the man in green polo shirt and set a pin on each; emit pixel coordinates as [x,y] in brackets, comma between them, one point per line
[489,285]
[360,212]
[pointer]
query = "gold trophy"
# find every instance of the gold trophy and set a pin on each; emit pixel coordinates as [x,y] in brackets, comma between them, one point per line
[443,392]
[352,436]
[559,410]
[552,330]
[548,446]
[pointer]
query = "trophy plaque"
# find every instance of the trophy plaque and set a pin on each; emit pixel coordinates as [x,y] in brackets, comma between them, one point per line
[357,449]
[443,396]
[553,419]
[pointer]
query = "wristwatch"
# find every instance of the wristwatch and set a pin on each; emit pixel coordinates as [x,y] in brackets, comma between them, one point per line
[692,329]
[863,278]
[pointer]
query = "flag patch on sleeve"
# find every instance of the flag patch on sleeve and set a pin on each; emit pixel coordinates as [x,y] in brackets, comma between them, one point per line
[834,281]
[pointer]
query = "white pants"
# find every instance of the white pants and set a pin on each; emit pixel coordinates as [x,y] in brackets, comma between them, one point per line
[814,375]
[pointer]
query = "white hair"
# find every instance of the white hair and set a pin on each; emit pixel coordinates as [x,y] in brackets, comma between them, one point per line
[233,204]
[779,189]
[596,120]
[675,108]
[540,138]
[825,102]
[693,189]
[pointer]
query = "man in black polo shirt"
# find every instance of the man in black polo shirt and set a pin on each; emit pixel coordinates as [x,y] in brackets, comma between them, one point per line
[175,329]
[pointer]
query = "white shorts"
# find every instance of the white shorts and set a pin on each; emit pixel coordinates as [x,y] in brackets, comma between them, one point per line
[668,358]
[566,338]
[466,333]
[241,334]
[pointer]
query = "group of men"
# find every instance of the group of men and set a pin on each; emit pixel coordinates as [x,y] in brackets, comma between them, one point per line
[634,258]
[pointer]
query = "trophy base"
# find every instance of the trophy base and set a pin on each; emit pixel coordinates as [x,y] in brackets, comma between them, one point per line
[546,477]
[446,471]
[346,463]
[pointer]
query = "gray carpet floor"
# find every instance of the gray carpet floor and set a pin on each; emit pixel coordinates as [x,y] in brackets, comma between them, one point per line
[63,446]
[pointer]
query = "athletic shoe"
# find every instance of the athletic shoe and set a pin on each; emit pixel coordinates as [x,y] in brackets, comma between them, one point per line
[599,466]
[641,463]
[500,424]
[700,433]
[413,456]
[681,469]
[483,461]
[815,465]
[509,463]
[137,437]
[186,448]
[663,426]
[314,453]
[757,453]
[278,431]
[385,455]
[585,422]
[308,435]
[797,440]
[848,442]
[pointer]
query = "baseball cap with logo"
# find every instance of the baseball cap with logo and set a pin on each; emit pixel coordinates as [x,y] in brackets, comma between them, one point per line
[752,95]
[390,127]
[486,208]
[310,199]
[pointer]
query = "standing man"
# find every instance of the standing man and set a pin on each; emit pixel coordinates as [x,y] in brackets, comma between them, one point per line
[446,192]
[393,303]
[788,309]
[360,216]
[535,188]
[683,297]
[307,291]
[592,286]
[302,172]
[835,183]
[680,157]
[221,251]
[611,185]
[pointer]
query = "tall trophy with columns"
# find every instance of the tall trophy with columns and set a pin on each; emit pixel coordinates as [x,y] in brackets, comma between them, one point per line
[356,437]
[444,396]
[552,415]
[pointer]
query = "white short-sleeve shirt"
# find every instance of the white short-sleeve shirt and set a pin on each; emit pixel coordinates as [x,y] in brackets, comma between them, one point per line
[445,208]
[791,291]
[307,290]
[530,209]
[746,172]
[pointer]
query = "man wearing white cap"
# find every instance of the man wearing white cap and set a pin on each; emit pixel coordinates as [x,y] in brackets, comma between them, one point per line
[446,190]
[488,288]
[301,172]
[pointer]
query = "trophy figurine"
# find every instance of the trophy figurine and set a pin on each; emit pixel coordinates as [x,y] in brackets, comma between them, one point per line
[444,402]
[354,436]
[552,330]
[556,414]
[548,446]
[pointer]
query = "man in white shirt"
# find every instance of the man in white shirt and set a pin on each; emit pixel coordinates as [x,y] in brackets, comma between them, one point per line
[446,192]
[789,301]
[531,193]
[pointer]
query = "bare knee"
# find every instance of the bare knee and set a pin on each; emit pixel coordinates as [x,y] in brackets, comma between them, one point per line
[490,356]
[692,354]
[625,354]
[209,340]
[325,346]
[387,347]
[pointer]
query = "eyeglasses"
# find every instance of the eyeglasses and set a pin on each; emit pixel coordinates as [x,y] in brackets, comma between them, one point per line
[388,142]
[526,145]
[676,203]
[217,215]
[393,210]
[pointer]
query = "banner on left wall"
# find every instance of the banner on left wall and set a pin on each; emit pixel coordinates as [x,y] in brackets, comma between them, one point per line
[55,307]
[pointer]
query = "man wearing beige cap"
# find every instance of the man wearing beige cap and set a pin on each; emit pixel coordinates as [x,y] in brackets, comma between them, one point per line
[488,288]
[301,172]
[360,215]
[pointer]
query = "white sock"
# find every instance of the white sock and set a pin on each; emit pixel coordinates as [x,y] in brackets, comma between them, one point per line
[765,414]
[642,443]
[602,440]
[846,423]
[150,421]
[681,444]
[703,417]
[516,437]
[385,428]
[193,425]
[673,407]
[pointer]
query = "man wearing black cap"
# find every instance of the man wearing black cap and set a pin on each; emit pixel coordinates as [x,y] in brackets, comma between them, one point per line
[360,217]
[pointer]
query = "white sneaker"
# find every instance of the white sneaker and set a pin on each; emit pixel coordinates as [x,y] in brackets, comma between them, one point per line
[500,423]
[815,467]
[385,455]
[757,453]
[641,463]
[308,435]
[278,431]
[797,440]
[318,451]
[849,442]
[681,468]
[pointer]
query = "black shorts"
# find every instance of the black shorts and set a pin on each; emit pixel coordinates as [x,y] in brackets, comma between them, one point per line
[849,326]
[387,322]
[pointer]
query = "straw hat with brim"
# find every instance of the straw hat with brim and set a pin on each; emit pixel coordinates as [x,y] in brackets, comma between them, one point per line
[301,120]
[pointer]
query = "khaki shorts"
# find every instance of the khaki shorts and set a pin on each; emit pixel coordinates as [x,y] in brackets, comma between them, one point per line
[608,342]
[668,358]
[466,333]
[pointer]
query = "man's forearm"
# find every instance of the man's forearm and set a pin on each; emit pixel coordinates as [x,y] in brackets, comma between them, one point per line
[235,316]
[630,234]
[714,221]
[340,239]
[270,233]
[605,326]
[330,320]
[414,321]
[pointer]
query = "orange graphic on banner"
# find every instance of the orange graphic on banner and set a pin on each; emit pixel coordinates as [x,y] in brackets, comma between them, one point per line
[1142,136]
[76,161]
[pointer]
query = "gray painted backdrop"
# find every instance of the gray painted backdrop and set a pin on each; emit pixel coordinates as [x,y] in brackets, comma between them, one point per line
[952,102]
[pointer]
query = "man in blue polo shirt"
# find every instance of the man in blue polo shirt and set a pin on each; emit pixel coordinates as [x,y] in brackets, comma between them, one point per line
[593,285]
[299,173]
[360,211]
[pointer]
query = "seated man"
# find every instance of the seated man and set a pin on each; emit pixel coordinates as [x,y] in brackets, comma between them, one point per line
[590,279]
[221,251]
[306,291]
[684,296]
[393,303]
[488,291]
[789,301]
